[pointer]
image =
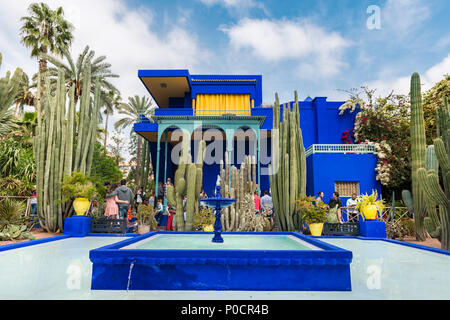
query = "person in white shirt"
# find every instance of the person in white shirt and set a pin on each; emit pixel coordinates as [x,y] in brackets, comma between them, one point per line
[352,212]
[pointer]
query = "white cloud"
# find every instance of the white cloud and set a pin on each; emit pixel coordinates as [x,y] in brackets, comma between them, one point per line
[403,15]
[317,51]
[401,85]
[113,29]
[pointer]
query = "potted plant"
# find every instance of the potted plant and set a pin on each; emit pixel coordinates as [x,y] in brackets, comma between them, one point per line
[80,188]
[369,206]
[313,213]
[146,219]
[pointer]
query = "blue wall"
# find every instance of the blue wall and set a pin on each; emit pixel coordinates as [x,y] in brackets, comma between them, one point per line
[323,169]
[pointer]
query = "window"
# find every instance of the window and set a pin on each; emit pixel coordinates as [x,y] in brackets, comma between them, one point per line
[346,188]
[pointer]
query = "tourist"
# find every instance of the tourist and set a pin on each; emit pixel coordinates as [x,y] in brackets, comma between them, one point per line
[184,207]
[266,201]
[160,191]
[151,198]
[125,195]
[34,202]
[320,197]
[112,201]
[139,198]
[168,183]
[352,212]
[335,204]
[202,196]
[171,213]
[159,211]
[257,202]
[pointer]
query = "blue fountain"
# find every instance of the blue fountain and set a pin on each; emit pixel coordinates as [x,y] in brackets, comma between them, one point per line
[186,260]
[218,203]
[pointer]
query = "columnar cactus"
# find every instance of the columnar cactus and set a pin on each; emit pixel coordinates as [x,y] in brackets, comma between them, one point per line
[188,182]
[418,148]
[57,133]
[439,228]
[288,168]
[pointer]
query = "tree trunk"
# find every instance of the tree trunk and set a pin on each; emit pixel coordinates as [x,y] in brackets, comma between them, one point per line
[106,130]
[138,162]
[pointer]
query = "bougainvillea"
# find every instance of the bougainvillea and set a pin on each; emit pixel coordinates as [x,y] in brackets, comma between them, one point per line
[384,122]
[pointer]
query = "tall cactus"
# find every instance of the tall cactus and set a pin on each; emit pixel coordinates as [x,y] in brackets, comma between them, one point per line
[57,134]
[418,146]
[288,169]
[439,228]
[187,182]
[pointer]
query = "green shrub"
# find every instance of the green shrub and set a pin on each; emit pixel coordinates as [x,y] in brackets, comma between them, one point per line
[78,186]
[146,216]
[15,232]
[12,212]
[310,211]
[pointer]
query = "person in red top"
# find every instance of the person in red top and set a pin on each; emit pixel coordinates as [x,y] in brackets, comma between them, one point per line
[257,202]
[171,212]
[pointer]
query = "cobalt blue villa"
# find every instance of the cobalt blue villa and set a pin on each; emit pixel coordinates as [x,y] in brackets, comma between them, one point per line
[226,104]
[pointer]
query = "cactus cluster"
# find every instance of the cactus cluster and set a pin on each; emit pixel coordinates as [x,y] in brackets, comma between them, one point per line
[187,182]
[288,168]
[426,161]
[62,143]
[438,226]
[240,184]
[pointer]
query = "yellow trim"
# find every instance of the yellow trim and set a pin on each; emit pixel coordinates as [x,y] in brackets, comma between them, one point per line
[218,104]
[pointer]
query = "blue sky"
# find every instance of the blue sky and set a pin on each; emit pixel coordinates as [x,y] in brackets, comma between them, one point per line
[315,47]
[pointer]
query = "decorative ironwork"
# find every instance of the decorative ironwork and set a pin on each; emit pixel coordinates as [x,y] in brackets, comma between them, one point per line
[341,148]
[338,229]
[346,188]
[103,225]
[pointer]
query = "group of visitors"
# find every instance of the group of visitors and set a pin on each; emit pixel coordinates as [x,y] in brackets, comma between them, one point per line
[334,214]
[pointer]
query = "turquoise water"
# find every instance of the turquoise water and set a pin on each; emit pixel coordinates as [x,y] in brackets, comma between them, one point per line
[379,270]
[231,242]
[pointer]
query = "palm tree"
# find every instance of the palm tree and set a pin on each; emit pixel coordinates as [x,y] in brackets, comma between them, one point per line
[8,90]
[114,102]
[44,31]
[132,112]
[74,75]
[24,95]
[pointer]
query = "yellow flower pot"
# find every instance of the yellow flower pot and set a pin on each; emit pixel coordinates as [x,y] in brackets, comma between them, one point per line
[316,229]
[370,212]
[209,227]
[80,206]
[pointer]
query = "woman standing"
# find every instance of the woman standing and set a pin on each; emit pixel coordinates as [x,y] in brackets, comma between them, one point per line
[112,208]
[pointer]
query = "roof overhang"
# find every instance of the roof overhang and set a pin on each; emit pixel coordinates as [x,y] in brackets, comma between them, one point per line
[162,84]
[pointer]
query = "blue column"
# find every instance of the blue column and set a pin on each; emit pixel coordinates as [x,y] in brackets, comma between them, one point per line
[166,135]
[158,149]
[257,160]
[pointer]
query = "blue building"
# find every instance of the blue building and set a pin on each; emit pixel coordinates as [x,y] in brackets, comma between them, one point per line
[227,110]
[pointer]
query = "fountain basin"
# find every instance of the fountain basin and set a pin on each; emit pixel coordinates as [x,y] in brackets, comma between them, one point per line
[269,261]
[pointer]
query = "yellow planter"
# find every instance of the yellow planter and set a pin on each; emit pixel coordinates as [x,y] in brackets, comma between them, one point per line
[316,229]
[370,212]
[80,205]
